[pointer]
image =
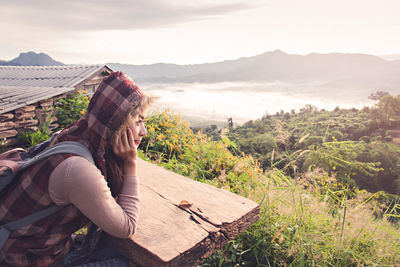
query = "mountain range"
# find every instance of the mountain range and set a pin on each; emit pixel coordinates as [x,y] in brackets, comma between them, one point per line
[334,69]
[32,59]
[272,66]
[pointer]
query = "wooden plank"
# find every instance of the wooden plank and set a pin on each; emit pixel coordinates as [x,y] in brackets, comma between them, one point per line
[46,103]
[25,109]
[25,123]
[169,235]
[6,116]
[8,133]
[27,115]
[7,125]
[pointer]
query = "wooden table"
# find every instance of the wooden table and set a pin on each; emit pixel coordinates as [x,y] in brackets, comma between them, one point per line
[170,235]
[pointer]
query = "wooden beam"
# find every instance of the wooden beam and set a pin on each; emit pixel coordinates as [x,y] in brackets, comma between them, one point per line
[46,103]
[8,133]
[6,116]
[28,115]
[25,123]
[7,125]
[25,109]
[170,235]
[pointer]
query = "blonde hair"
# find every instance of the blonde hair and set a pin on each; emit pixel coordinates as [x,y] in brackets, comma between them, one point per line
[113,163]
[135,109]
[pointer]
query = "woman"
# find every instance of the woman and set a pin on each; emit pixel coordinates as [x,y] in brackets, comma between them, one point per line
[111,129]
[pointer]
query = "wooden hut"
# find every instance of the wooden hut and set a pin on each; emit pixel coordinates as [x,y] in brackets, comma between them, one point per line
[27,90]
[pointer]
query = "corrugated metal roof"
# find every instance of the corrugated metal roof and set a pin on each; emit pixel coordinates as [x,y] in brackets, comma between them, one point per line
[46,76]
[24,85]
[12,97]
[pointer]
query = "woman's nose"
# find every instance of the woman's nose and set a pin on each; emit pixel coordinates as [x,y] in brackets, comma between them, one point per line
[143,130]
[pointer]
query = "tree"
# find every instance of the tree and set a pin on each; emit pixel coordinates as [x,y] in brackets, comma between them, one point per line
[386,111]
[377,95]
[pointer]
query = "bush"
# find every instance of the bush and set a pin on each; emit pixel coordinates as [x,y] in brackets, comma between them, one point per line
[295,228]
[31,138]
[71,108]
[388,138]
[174,145]
[365,139]
[167,136]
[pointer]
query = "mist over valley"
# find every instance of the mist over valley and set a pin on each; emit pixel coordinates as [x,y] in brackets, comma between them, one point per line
[248,88]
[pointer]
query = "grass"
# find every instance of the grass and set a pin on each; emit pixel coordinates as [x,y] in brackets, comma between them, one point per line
[298,228]
[309,221]
[302,223]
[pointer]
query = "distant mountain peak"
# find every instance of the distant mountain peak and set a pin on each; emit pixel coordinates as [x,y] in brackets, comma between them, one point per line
[278,51]
[32,59]
[275,52]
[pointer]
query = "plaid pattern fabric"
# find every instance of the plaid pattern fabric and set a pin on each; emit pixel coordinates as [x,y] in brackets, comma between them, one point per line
[107,108]
[47,241]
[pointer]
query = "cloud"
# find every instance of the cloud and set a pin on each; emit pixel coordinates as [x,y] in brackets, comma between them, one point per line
[89,15]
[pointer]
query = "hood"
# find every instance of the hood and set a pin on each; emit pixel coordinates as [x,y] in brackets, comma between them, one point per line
[105,114]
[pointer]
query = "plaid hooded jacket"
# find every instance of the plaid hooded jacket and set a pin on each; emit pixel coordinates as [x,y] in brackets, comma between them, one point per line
[46,242]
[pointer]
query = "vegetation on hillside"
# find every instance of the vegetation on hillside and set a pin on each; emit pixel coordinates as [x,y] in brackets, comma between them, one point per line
[362,136]
[312,211]
[318,176]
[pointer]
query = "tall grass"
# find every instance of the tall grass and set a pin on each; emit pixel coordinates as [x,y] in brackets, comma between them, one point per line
[310,221]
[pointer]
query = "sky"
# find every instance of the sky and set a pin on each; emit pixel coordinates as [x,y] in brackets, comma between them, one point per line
[195,31]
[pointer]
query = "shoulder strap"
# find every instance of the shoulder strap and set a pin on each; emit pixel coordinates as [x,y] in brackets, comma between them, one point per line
[69,147]
[7,228]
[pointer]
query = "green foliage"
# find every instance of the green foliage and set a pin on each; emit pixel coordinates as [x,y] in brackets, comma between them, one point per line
[31,138]
[174,145]
[167,136]
[295,229]
[388,157]
[339,158]
[387,110]
[311,128]
[71,108]
[303,222]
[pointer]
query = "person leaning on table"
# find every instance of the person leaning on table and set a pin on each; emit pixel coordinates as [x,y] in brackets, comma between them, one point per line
[105,194]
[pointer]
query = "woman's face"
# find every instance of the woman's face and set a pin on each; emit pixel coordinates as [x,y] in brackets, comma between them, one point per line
[137,126]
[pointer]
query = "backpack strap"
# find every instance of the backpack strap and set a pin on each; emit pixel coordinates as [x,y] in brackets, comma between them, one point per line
[7,167]
[67,147]
[7,228]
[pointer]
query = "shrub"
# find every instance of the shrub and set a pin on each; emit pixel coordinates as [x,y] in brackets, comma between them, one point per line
[173,144]
[167,136]
[31,138]
[365,139]
[388,138]
[295,227]
[71,108]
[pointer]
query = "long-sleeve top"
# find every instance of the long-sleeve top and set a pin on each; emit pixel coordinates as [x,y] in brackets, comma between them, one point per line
[77,181]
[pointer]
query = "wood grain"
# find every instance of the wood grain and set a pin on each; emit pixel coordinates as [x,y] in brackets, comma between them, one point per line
[169,235]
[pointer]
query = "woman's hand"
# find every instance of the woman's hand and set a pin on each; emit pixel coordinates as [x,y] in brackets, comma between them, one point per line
[126,149]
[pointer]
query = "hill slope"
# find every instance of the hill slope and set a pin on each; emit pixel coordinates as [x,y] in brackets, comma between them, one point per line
[32,59]
[272,66]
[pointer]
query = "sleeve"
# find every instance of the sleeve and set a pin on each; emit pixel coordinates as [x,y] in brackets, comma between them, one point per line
[77,181]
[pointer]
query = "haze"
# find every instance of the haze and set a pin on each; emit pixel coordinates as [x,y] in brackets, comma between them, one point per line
[188,32]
